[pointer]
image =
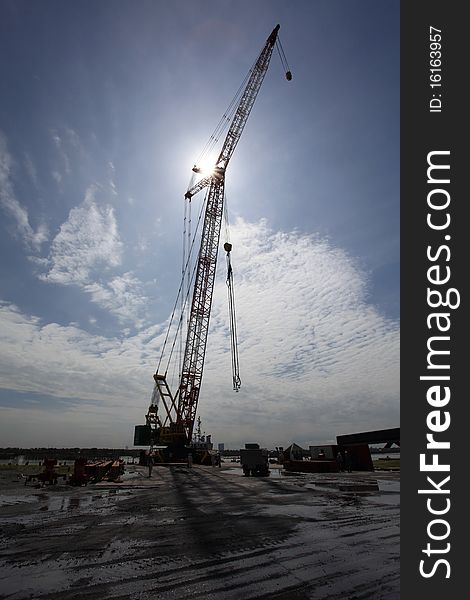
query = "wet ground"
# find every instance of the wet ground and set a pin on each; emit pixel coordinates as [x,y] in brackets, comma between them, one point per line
[202,533]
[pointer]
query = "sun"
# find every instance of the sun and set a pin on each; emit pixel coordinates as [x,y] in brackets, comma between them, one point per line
[205,166]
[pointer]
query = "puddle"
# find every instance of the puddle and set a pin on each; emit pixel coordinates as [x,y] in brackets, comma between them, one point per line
[387,491]
[6,500]
[274,473]
[160,509]
[85,502]
[131,475]
[323,484]
[64,503]
[387,499]
[38,581]
[297,474]
[358,487]
[391,487]
[308,512]
[117,548]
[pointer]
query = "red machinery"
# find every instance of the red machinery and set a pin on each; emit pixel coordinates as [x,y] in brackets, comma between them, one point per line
[48,474]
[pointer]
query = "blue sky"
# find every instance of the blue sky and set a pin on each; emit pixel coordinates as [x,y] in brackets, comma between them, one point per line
[105,106]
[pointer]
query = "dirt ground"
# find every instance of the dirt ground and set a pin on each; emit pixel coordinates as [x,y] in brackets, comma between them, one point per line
[202,533]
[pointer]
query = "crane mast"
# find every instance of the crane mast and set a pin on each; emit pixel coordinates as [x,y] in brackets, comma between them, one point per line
[178,423]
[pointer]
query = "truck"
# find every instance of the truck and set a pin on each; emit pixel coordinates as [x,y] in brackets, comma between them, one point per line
[254,460]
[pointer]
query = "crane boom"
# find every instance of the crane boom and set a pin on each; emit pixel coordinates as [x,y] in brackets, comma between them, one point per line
[181,408]
[247,100]
[243,112]
[198,326]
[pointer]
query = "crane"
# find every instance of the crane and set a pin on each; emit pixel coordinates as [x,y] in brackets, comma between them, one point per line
[174,427]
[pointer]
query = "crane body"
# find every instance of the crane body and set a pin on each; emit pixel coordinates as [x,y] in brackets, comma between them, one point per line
[173,424]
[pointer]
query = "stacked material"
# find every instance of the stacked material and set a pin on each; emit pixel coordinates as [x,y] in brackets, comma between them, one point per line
[85,472]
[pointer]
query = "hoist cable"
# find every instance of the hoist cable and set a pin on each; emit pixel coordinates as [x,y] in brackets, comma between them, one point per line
[180,289]
[190,281]
[189,241]
[231,305]
[182,269]
[181,319]
[225,119]
[282,54]
[233,327]
[226,221]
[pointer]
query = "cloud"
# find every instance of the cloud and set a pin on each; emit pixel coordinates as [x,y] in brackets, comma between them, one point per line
[89,239]
[56,176]
[31,170]
[88,245]
[73,138]
[69,150]
[122,296]
[112,177]
[86,248]
[79,379]
[316,359]
[60,146]
[31,238]
[67,362]
[142,245]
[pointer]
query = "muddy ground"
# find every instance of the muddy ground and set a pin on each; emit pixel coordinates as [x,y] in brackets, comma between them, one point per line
[202,533]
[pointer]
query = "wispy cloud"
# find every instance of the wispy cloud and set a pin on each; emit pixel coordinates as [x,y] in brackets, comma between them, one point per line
[89,239]
[56,176]
[86,251]
[31,170]
[90,364]
[112,177]
[60,147]
[81,379]
[18,213]
[316,359]
[122,296]
[73,138]
[68,148]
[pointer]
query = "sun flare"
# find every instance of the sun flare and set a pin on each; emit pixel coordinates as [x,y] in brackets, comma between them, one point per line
[205,166]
